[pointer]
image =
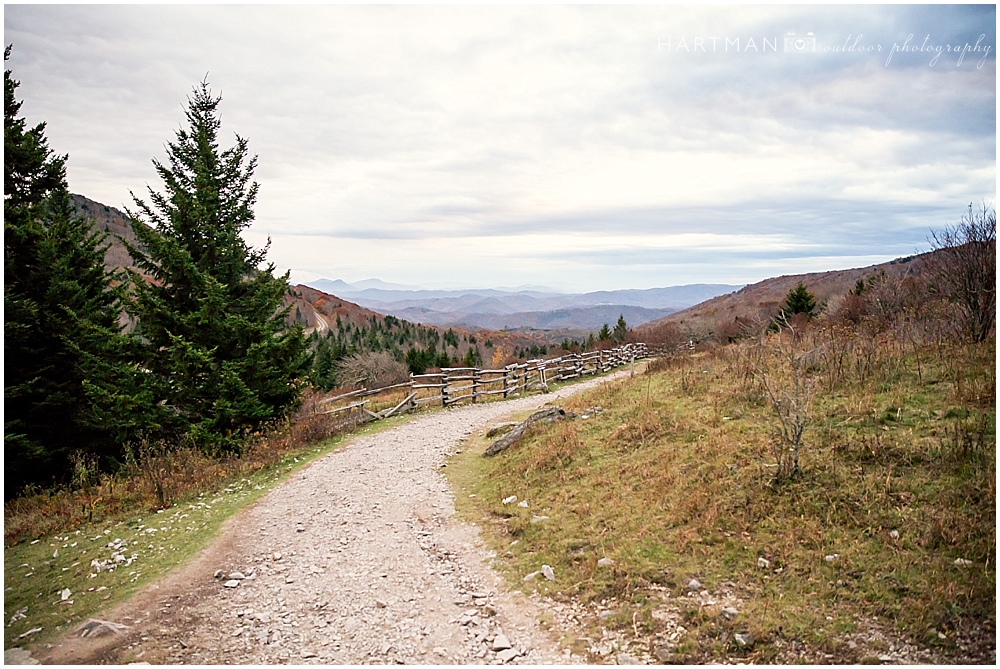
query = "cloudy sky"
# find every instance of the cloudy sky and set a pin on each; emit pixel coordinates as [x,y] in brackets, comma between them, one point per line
[579,147]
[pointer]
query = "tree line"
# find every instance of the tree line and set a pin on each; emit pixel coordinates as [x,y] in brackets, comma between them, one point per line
[97,359]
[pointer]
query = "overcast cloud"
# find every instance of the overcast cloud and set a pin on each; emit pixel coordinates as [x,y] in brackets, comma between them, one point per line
[581,147]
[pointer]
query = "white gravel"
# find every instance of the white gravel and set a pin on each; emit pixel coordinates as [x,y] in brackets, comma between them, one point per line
[358,559]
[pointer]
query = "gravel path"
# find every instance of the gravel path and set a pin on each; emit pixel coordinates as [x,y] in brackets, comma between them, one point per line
[357,559]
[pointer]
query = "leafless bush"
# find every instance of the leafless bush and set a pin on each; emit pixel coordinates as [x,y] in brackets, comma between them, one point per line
[783,364]
[667,335]
[371,370]
[963,269]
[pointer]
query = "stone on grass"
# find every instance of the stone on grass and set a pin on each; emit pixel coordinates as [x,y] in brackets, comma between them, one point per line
[962,561]
[743,640]
[832,558]
[663,653]
[548,573]
[730,613]
[605,562]
[509,500]
[763,563]
[694,584]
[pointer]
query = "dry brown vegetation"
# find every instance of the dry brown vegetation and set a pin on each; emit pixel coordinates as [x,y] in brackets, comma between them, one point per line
[888,410]
[155,477]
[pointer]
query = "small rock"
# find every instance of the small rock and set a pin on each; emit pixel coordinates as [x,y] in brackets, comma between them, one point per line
[18,656]
[277,556]
[218,573]
[507,655]
[548,573]
[237,576]
[97,628]
[894,534]
[603,615]
[852,645]
[231,583]
[625,658]
[501,642]
[509,500]
[65,594]
[380,604]
[730,613]
[832,558]
[307,654]
[962,561]
[743,640]
[538,519]
[694,584]
[605,562]
[523,504]
[763,563]
[531,576]
[663,653]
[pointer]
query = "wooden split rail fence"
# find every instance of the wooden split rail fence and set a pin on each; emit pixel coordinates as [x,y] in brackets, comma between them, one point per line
[460,384]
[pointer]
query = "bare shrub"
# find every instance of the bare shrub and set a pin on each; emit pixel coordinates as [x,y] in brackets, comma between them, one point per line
[963,269]
[784,368]
[371,370]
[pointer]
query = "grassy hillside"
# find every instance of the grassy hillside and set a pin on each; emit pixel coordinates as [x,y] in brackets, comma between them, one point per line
[884,540]
[764,297]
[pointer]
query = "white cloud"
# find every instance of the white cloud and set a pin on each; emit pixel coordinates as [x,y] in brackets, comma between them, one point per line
[389,136]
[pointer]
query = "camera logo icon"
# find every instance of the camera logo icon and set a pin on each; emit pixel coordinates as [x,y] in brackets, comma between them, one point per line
[800,43]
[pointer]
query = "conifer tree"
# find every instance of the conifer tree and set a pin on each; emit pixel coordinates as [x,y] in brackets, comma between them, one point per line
[621,330]
[220,357]
[61,334]
[799,301]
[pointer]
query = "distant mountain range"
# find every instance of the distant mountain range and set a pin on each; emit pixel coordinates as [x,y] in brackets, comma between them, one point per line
[496,309]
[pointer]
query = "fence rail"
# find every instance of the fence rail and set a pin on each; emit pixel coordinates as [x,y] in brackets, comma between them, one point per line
[468,384]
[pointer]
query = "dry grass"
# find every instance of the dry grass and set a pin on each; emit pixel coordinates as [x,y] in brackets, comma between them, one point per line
[155,477]
[676,479]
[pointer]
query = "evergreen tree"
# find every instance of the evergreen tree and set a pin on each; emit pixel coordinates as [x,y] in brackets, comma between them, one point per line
[605,333]
[621,330]
[61,332]
[799,301]
[216,345]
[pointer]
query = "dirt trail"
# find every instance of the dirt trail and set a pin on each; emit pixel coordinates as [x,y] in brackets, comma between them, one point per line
[357,559]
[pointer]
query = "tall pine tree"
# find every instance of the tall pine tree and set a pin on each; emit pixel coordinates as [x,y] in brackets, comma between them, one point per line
[61,332]
[221,360]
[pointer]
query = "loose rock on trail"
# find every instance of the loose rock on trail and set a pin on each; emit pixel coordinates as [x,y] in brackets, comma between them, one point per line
[357,559]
